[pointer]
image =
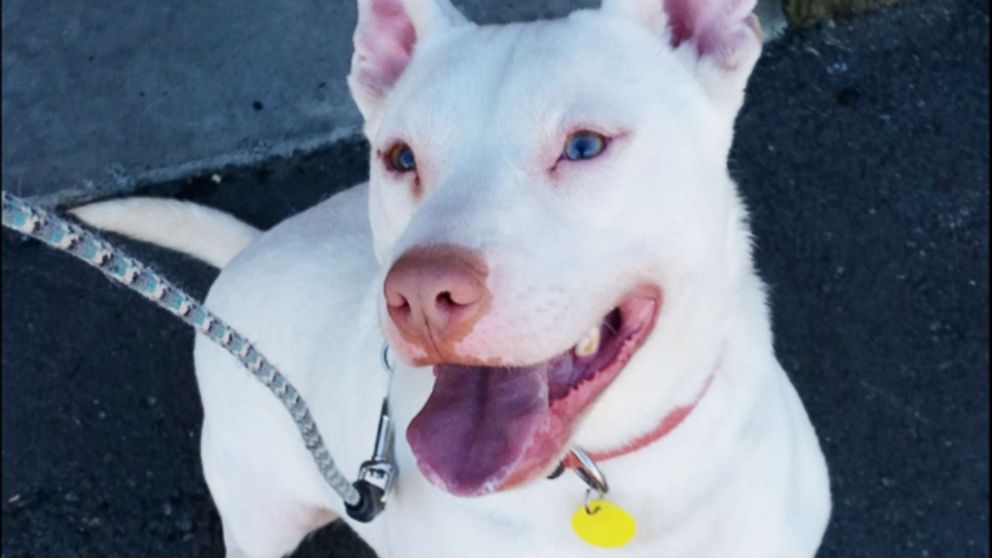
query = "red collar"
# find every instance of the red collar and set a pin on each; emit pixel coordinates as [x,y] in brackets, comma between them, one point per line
[667,424]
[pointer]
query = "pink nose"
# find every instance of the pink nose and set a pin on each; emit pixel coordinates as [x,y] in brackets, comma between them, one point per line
[435,295]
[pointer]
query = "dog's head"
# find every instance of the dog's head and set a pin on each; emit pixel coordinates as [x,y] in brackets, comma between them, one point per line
[550,202]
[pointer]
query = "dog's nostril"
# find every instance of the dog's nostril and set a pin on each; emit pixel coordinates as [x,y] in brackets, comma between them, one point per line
[445,300]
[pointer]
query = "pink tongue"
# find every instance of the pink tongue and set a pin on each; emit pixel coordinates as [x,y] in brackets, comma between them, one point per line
[478,424]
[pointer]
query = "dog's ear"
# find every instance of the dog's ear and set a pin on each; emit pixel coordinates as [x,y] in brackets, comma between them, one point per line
[724,36]
[385,37]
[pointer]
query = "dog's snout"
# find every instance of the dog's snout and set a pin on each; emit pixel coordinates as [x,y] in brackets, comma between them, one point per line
[435,295]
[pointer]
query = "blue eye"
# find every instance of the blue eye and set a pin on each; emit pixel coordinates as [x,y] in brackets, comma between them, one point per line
[400,158]
[583,144]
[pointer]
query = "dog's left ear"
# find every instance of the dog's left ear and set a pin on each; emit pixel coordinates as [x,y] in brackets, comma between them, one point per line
[385,38]
[724,35]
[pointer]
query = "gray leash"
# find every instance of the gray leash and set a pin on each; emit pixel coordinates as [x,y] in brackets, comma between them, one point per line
[365,498]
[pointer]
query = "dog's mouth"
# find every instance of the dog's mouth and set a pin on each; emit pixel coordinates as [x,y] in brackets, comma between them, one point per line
[485,429]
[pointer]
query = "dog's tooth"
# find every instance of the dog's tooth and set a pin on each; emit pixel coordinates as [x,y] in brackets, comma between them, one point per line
[589,344]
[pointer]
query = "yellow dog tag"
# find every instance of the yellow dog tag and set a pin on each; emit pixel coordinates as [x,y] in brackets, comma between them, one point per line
[608,526]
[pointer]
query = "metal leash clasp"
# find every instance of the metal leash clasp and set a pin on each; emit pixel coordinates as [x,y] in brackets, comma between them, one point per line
[377,474]
[380,469]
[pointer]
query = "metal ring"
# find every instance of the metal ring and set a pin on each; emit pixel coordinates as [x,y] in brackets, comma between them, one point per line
[589,472]
[385,358]
[589,493]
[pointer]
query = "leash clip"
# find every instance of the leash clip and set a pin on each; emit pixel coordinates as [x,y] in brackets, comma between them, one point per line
[377,475]
[380,469]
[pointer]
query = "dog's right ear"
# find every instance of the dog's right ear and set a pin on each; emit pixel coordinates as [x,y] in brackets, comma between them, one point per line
[385,37]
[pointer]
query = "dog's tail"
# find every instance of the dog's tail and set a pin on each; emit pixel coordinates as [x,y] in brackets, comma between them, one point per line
[204,233]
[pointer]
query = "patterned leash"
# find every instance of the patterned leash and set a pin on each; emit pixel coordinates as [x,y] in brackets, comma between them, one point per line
[364,500]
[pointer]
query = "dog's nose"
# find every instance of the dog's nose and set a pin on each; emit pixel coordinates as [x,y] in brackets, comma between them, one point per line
[435,295]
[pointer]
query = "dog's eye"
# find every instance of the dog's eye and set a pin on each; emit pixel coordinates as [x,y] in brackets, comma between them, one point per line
[583,144]
[400,158]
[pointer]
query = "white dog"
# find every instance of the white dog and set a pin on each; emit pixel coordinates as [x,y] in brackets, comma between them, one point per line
[551,243]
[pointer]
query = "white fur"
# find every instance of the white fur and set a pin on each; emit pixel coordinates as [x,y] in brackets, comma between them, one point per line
[210,235]
[484,108]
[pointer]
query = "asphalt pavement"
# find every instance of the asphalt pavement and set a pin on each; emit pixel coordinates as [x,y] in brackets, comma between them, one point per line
[863,153]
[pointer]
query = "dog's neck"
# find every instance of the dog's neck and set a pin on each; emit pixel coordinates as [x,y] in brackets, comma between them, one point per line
[727,387]
[670,422]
